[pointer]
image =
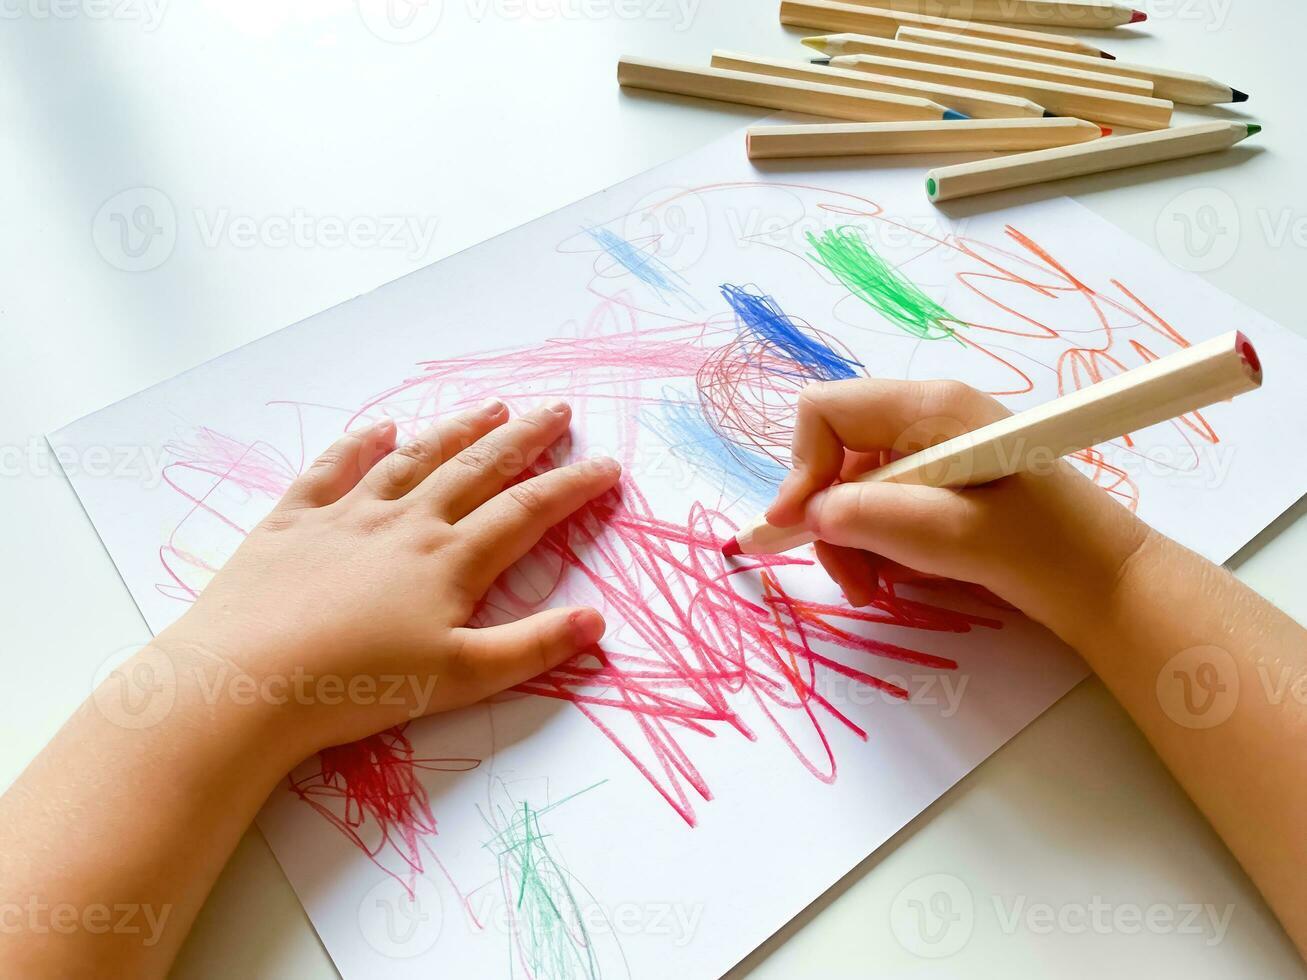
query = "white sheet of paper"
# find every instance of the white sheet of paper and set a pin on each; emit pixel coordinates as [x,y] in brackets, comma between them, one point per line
[666,826]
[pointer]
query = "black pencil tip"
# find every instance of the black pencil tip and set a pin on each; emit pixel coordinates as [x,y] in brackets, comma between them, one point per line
[1049,115]
[820,61]
[1109,57]
[1237,96]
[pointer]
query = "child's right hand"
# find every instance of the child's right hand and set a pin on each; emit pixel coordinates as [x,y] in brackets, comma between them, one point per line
[1050,542]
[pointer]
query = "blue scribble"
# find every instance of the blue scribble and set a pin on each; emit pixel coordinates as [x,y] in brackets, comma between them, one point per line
[691,438]
[648,268]
[762,317]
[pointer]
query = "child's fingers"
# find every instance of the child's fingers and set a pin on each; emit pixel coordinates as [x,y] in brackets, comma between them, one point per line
[493,658]
[851,571]
[926,528]
[339,469]
[865,416]
[412,462]
[505,528]
[465,482]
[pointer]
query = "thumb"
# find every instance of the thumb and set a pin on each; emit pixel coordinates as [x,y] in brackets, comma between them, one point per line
[497,657]
[925,528]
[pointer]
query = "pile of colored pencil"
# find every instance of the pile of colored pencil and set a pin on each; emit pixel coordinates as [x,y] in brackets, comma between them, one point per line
[912,76]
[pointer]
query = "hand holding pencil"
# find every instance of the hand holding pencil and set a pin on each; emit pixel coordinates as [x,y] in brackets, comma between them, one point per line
[858,417]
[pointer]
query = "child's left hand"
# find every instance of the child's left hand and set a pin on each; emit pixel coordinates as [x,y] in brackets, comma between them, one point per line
[349,603]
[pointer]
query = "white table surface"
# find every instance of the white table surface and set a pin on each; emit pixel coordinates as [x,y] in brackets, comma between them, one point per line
[249,110]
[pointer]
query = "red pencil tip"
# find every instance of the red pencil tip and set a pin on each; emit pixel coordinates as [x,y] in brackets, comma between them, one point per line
[1245,348]
[731,548]
[1137,16]
[1106,130]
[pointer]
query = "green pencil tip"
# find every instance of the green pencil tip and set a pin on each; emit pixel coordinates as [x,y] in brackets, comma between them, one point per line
[930,186]
[1254,129]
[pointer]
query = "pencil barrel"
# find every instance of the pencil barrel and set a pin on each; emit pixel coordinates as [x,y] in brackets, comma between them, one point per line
[978,105]
[845,139]
[1092,16]
[772,93]
[830,15]
[1019,170]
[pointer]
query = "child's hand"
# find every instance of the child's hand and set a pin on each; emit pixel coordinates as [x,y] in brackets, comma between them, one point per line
[370,566]
[1027,538]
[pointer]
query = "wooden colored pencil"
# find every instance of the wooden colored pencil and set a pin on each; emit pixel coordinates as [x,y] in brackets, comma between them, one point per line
[1178,86]
[969,102]
[831,15]
[775,93]
[1076,14]
[1097,105]
[936,55]
[863,139]
[1186,381]
[1020,169]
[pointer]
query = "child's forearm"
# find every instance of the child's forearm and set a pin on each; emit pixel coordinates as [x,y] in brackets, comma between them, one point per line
[1214,675]
[113,836]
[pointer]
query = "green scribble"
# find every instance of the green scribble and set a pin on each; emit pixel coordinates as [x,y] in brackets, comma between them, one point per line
[548,921]
[847,254]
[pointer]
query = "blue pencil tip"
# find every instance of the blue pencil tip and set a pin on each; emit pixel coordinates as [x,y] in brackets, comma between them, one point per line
[954,114]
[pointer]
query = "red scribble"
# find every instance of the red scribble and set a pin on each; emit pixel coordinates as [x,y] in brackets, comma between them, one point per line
[706,648]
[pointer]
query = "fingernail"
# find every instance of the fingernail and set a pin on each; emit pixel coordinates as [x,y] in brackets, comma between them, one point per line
[383,425]
[491,407]
[558,407]
[587,627]
[607,466]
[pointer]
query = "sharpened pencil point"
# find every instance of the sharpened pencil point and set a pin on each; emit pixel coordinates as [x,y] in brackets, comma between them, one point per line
[1109,57]
[1237,96]
[954,114]
[1138,16]
[1254,129]
[731,548]
[1049,115]
[820,61]
[1106,130]
[813,42]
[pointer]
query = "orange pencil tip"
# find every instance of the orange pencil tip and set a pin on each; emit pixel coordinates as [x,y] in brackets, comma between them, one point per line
[1106,130]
